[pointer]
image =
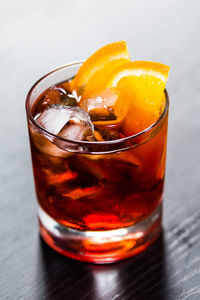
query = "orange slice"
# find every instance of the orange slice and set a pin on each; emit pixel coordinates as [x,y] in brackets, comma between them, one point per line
[98,80]
[142,85]
[98,61]
[143,82]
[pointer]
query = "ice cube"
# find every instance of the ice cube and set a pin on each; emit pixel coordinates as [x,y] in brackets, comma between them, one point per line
[101,105]
[65,121]
[53,96]
[75,131]
[78,115]
[79,126]
[54,118]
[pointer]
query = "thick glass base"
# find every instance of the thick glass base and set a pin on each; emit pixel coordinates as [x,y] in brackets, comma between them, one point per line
[100,246]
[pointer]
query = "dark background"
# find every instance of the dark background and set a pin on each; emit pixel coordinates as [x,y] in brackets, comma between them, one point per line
[37,36]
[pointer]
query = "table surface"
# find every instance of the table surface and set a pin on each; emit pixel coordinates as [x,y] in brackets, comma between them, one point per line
[37,36]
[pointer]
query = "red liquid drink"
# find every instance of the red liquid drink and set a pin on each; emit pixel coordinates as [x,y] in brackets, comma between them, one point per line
[99,190]
[102,191]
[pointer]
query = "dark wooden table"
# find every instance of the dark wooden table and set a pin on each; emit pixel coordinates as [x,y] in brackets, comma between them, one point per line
[37,36]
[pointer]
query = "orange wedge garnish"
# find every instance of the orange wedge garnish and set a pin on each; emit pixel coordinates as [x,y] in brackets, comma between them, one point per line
[143,82]
[98,62]
[100,77]
[142,85]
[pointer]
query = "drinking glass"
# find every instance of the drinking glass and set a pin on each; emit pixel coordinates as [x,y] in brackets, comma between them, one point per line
[97,201]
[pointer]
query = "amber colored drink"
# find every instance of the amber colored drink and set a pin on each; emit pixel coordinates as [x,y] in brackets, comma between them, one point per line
[101,192]
[97,186]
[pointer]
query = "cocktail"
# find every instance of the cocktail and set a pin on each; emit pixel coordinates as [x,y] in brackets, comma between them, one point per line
[98,134]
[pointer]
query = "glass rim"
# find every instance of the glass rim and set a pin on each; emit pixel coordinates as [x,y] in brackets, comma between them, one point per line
[86,143]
